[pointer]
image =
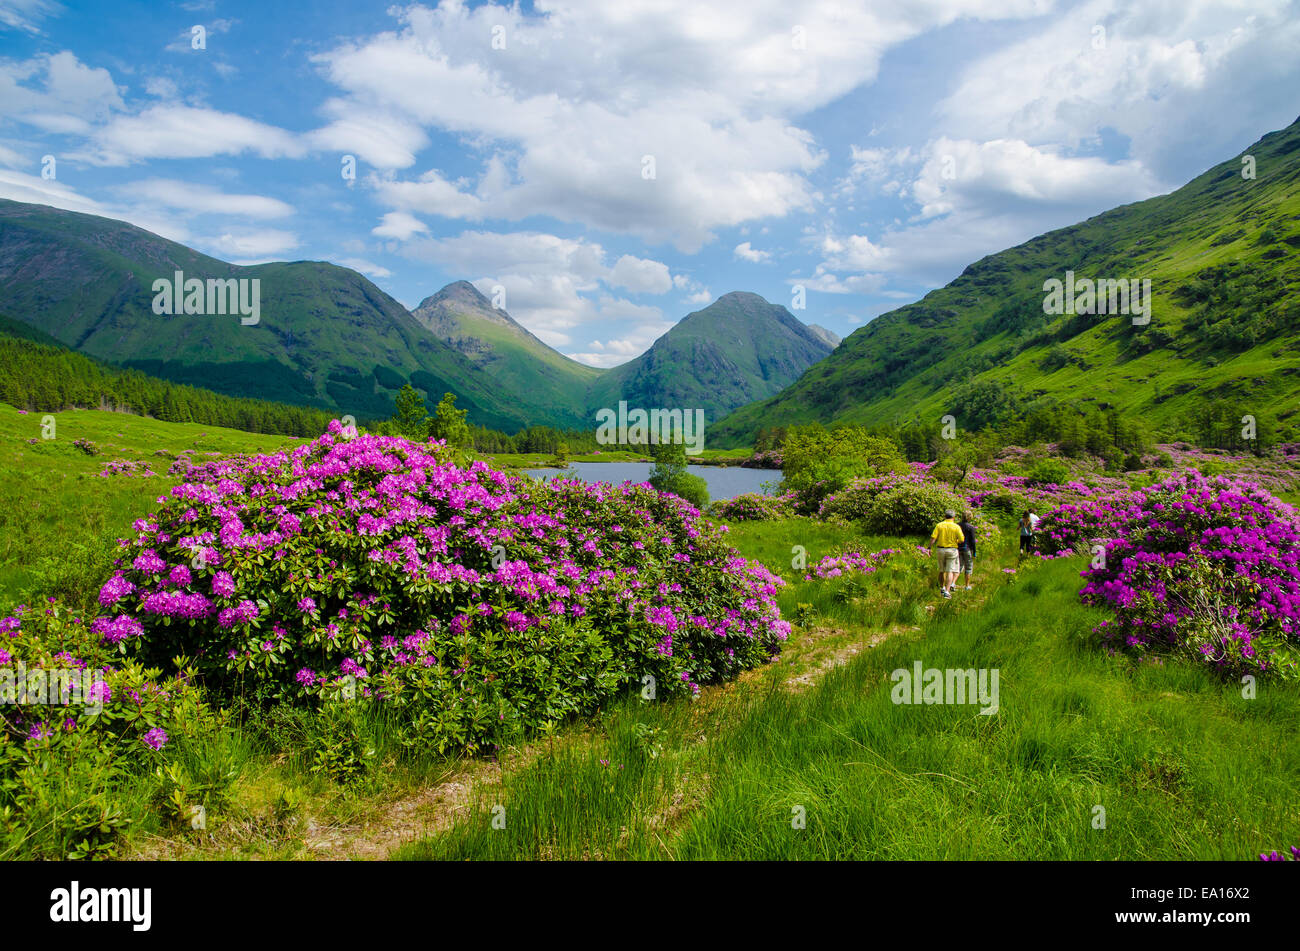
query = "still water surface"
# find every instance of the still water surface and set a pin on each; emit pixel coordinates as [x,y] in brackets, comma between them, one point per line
[725,482]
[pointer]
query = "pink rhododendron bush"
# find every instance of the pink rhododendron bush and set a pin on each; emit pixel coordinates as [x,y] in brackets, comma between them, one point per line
[754,507]
[474,602]
[1203,566]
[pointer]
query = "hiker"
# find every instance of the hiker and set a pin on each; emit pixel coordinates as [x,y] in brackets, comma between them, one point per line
[967,550]
[1026,535]
[946,539]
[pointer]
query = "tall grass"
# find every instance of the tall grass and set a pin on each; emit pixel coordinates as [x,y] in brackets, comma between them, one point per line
[1089,757]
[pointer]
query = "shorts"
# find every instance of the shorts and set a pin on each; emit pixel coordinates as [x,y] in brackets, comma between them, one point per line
[967,560]
[948,560]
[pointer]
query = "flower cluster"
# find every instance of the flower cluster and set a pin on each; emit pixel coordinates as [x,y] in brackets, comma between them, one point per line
[754,507]
[1205,566]
[126,467]
[833,566]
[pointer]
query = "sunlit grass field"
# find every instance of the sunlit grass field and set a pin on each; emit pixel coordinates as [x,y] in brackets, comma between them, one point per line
[59,519]
[1087,757]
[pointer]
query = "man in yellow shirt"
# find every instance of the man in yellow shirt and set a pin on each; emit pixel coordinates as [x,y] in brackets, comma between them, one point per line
[946,538]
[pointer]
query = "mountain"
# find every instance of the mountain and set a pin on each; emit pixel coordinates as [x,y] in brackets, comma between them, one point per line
[739,348]
[554,385]
[1221,257]
[830,336]
[326,336]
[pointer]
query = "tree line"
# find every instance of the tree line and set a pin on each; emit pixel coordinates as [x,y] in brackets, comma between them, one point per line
[44,378]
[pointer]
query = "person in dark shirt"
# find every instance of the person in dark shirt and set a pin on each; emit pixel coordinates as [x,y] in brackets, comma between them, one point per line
[967,551]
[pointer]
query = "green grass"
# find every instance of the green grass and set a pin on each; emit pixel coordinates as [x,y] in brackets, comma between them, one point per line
[59,519]
[1183,766]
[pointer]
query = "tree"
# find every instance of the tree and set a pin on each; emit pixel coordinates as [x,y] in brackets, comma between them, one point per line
[449,425]
[955,463]
[669,474]
[411,419]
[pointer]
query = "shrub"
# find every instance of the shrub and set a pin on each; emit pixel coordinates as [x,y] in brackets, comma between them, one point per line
[819,462]
[1049,472]
[754,507]
[854,501]
[910,508]
[1001,501]
[475,602]
[1205,567]
[69,762]
[669,475]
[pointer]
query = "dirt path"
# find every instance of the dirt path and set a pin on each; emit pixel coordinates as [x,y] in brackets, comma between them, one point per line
[436,808]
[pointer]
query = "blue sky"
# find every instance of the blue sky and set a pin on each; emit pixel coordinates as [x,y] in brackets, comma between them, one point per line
[866,152]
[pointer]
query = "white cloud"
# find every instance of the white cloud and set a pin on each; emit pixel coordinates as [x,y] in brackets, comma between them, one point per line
[12,159]
[178,131]
[252,247]
[25,14]
[564,116]
[57,93]
[203,199]
[184,41]
[19,186]
[368,268]
[399,226]
[745,253]
[431,194]
[972,199]
[640,276]
[1164,67]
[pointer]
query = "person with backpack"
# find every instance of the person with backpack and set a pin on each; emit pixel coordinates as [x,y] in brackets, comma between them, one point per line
[1026,535]
[966,553]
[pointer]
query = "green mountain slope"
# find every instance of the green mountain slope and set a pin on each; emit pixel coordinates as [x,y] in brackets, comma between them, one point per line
[327,337]
[739,348]
[554,385]
[1221,255]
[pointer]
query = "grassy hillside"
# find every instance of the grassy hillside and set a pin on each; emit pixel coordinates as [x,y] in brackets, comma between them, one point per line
[555,386]
[327,336]
[1221,256]
[739,348]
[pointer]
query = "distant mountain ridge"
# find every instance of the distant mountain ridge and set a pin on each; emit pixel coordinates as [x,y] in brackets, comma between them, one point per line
[329,338]
[738,349]
[1221,256]
[460,316]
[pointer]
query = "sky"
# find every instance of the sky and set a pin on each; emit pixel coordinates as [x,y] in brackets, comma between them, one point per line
[614,166]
